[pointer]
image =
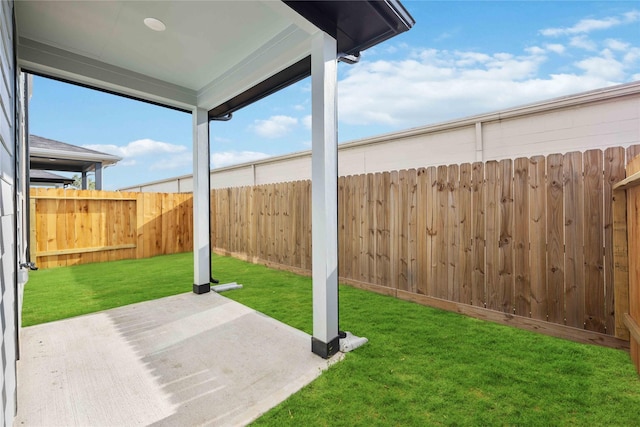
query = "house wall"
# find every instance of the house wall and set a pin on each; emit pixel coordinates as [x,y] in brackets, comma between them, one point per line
[8,261]
[599,119]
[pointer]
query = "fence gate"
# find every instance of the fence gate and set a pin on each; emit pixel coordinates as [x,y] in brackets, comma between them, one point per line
[627,246]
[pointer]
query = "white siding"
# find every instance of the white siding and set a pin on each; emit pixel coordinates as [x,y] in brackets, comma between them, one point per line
[604,118]
[236,177]
[293,169]
[597,125]
[8,262]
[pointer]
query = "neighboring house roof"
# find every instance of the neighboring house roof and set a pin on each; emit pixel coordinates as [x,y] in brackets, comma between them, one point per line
[49,154]
[44,177]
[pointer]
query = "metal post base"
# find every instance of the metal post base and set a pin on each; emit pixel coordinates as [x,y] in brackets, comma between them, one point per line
[325,350]
[201,289]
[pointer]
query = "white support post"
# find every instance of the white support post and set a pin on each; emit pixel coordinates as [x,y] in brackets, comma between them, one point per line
[324,185]
[98,167]
[201,203]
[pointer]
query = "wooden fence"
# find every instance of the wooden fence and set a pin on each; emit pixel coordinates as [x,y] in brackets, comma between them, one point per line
[627,248]
[528,241]
[75,227]
[530,237]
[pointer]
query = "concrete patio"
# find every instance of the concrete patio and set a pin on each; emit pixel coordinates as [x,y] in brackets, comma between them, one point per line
[184,360]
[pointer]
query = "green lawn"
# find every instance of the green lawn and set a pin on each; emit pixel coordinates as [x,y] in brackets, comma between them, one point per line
[422,366]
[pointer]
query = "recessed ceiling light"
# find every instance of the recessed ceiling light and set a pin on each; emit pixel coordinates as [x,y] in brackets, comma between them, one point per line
[155,24]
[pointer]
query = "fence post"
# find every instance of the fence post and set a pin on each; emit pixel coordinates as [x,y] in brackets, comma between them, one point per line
[620,263]
[32,231]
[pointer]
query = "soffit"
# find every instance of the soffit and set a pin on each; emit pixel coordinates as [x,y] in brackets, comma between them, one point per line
[203,41]
[217,55]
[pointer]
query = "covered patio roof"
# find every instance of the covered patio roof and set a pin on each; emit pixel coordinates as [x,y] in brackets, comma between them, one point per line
[212,58]
[216,55]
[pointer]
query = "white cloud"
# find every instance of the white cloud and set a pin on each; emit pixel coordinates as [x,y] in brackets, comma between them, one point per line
[616,44]
[606,68]
[433,85]
[138,148]
[588,25]
[583,42]
[176,161]
[148,153]
[275,126]
[555,48]
[228,158]
[306,121]
[632,56]
[535,50]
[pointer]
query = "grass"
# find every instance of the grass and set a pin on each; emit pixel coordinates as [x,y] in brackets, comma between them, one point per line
[422,366]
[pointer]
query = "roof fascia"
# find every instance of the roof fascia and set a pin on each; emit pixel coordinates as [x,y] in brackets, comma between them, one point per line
[392,16]
[333,16]
[106,159]
[284,78]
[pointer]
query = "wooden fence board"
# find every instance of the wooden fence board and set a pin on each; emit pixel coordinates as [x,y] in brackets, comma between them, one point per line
[412,256]
[382,214]
[431,224]
[403,229]
[574,241]
[478,227]
[394,236]
[614,171]
[372,230]
[442,252]
[538,234]
[593,241]
[453,177]
[555,239]
[422,232]
[464,221]
[521,267]
[364,230]
[632,151]
[343,227]
[354,238]
[494,300]
[505,245]
[621,262]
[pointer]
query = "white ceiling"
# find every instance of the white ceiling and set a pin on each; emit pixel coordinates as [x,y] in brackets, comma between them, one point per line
[209,52]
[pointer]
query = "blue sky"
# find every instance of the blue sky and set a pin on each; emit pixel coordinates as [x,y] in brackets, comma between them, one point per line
[460,59]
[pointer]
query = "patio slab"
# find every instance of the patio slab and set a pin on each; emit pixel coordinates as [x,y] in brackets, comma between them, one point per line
[184,360]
